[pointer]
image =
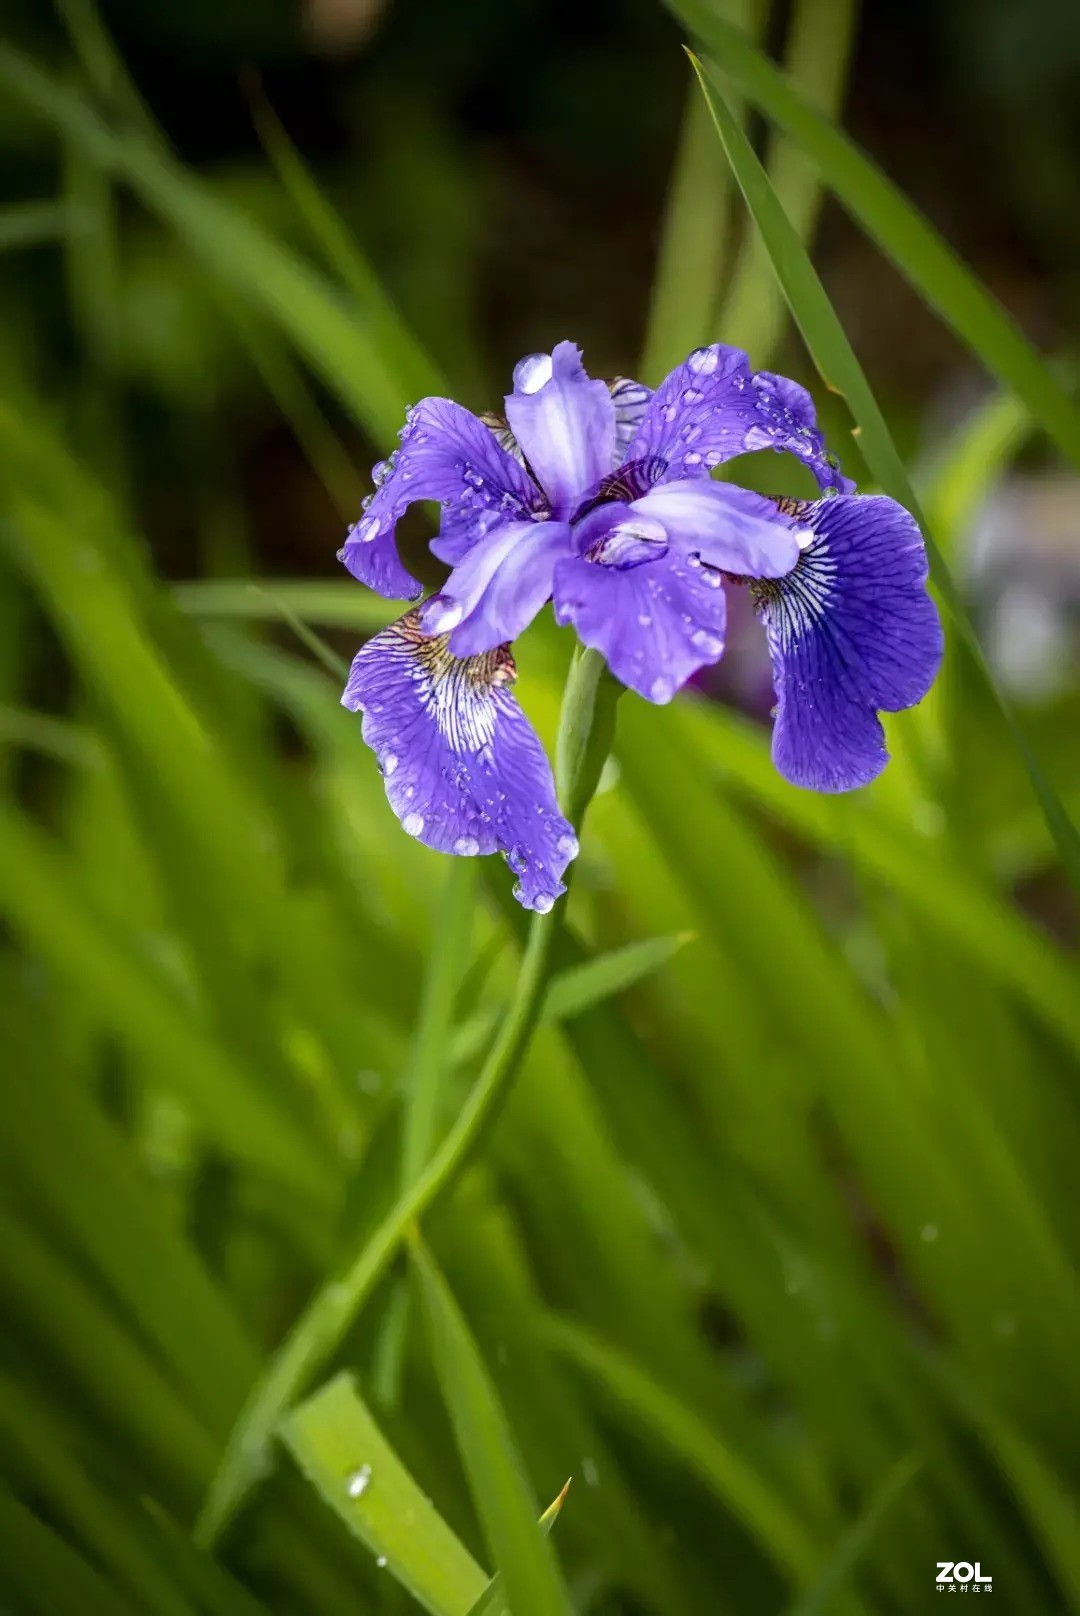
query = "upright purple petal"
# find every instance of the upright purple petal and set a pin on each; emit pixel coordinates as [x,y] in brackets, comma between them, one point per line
[631,400]
[700,414]
[785,419]
[445,454]
[728,527]
[852,630]
[498,587]
[655,613]
[464,770]
[564,423]
[714,407]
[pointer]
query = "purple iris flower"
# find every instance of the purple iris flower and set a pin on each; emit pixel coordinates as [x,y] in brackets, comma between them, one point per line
[597,496]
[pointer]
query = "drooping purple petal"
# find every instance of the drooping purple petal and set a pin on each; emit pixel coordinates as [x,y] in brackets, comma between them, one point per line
[498,587]
[655,613]
[852,630]
[564,423]
[714,407]
[445,454]
[465,772]
[728,527]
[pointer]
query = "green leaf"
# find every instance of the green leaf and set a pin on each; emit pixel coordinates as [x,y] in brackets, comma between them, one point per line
[654,1408]
[492,1601]
[581,986]
[820,38]
[693,247]
[365,353]
[336,1442]
[910,241]
[853,1548]
[835,359]
[497,1480]
[47,1574]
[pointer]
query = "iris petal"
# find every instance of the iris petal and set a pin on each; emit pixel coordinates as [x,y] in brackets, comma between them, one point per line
[728,527]
[852,630]
[445,454]
[565,424]
[656,621]
[714,407]
[498,587]
[465,772]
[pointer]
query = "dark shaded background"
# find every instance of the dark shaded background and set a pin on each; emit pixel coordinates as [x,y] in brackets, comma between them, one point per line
[504,166]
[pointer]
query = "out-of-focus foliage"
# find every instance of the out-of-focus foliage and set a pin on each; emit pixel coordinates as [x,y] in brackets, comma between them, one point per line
[771,1246]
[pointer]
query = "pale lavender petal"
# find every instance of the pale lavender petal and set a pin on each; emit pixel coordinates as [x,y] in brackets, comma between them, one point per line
[852,630]
[656,621]
[445,454]
[728,527]
[494,593]
[465,772]
[564,423]
[714,407]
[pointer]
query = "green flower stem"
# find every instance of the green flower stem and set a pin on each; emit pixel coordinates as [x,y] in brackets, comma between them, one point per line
[585,733]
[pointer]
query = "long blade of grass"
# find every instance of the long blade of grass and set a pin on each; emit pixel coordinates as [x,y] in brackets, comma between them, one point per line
[492,1601]
[835,359]
[653,1408]
[909,240]
[821,34]
[367,355]
[588,721]
[337,1443]
[853,1548]
[497,1479]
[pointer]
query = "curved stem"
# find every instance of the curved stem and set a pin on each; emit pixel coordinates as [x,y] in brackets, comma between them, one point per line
[585,731]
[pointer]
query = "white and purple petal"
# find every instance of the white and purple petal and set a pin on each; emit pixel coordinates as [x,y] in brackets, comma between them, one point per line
[655,613]
[564,423]
[852,631]
[445,454]
[498,587]
[465,772]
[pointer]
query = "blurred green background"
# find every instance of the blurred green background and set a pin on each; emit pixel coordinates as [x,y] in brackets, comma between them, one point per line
[771,1243]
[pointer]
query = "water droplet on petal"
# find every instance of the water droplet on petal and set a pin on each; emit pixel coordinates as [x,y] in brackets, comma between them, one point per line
[661,690]
[543,903]
[692,458]
[644,620]
[708,644]
[359,1482]
[412,824]
[466,847]
[532,372]
[440,615]
[516,859]
[568,846]
[703,361]
[389,763]
[692,395]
